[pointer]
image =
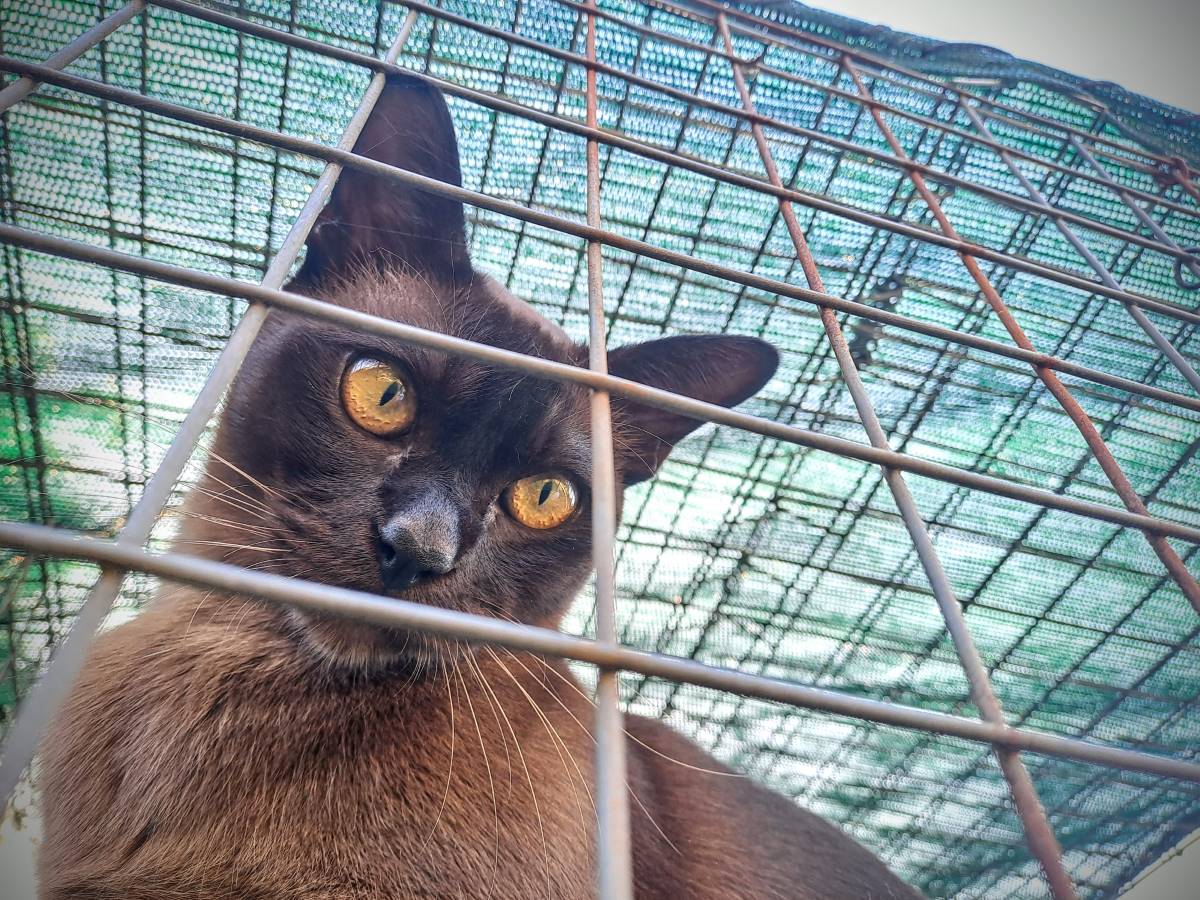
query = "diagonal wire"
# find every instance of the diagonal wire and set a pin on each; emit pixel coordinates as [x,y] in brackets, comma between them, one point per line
[1135,311]
[1041,837]
[615,849]
[1112,469]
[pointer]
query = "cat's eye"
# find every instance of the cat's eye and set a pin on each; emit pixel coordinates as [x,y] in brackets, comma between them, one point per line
[377,397]
[541,501]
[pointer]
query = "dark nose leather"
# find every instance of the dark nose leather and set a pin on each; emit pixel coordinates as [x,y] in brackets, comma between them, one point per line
[418,543]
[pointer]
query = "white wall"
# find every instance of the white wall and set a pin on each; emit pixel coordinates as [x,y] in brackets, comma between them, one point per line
[1176,876]
[18,846]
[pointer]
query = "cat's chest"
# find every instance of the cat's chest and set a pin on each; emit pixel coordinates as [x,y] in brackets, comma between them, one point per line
[403,789]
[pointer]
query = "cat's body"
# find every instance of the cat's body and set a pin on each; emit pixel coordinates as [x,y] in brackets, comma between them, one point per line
[223,747]
[237,769]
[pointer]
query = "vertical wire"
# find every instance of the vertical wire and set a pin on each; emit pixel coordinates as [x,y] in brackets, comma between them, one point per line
[1092,437]
[543,153]
[124,401]
[1040,835]
[51,690]
[614,859]
[1135,311]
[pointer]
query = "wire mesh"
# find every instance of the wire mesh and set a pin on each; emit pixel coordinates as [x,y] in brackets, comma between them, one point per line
[745,551]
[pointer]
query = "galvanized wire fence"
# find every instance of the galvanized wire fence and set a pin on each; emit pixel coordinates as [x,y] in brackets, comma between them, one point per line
[989,536]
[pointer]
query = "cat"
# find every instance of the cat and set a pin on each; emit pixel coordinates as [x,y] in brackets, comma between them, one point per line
[224,747]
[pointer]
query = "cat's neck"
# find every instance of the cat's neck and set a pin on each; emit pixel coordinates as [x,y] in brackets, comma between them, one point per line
[259,639]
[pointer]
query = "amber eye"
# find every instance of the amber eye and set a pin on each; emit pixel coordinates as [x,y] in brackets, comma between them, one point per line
[378,397]
[542,501]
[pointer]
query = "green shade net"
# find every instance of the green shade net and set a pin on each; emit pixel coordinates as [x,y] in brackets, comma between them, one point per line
[744,551]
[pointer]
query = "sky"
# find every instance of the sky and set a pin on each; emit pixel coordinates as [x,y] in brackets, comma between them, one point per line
[1148,46]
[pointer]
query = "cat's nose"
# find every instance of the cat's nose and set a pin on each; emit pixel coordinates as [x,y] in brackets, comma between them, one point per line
[418,543]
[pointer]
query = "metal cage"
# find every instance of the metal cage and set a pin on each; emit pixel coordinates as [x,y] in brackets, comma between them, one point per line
[1002,280]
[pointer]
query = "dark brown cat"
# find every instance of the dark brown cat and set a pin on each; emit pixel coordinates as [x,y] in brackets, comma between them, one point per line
[223,747]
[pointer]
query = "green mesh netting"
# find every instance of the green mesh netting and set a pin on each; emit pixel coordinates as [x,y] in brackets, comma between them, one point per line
[744,551]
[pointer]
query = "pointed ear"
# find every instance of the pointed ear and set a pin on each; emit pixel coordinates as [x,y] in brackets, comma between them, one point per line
[721,369]
[375,222]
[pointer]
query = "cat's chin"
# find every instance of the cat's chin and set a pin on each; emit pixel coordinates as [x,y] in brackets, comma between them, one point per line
[359,647]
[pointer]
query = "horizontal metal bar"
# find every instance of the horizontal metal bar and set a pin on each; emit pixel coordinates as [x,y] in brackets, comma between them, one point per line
[727,176]
[23,87]
[887,65]
[556,371]
[871,154]
[852,97]
[641,248]
[325,598]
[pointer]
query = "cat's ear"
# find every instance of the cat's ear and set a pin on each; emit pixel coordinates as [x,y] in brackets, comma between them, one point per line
[377,222]
[721,369]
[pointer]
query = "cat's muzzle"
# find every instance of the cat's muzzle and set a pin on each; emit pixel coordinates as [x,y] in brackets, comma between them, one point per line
[418,543]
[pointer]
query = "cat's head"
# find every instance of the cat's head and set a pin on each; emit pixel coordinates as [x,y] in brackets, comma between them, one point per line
[363,462]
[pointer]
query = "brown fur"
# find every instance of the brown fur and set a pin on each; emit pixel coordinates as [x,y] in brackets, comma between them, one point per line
[223,747]
[207,755]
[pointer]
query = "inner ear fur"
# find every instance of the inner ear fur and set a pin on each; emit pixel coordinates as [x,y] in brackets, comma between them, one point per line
[720,369]
[385,224]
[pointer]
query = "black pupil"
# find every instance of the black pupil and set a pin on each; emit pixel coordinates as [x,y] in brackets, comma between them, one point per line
[547,489]
[392,390]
